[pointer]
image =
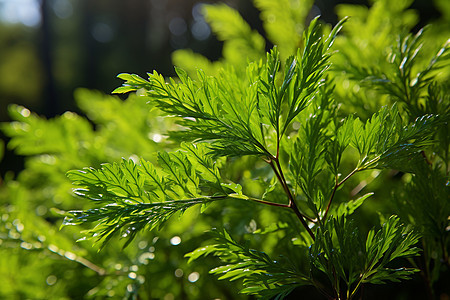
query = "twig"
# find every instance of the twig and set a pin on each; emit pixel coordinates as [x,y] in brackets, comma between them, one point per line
[72,256]
[268,202]
[336,186]
[279,173]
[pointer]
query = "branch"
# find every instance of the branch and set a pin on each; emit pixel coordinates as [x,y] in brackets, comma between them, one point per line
[81,260]
[268,202]
[279,173]
[336,186]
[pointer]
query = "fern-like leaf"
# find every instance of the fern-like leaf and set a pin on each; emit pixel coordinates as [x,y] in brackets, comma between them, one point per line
[134,196]
[262,276]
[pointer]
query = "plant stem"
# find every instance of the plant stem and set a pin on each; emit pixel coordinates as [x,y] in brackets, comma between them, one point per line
[426,158]
[279,173]
[100,271]
[81,260]
[355,289]
[424,268]
[336,186]
[288,192]
[269,203]
[331,198]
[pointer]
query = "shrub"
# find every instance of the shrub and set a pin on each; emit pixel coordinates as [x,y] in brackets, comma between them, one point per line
[275,149]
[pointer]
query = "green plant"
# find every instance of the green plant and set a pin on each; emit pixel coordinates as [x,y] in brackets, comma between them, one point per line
[296,153]
[285,116]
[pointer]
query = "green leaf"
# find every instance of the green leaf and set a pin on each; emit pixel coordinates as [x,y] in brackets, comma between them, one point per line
[232,111]
[127,219]
[390,242]
[401,81]
[219,110]
[313,64]
[133,82]
[339,252]
[348,208]
[342,140]
[383,142]
[309,156]
[262,275]
[134,197]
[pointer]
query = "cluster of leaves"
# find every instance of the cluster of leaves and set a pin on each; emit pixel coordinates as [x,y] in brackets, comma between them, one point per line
[32,243]
[342,256]
[262,275]
[266,137]
[135,196]
[253,115]
[238,111]
[412,70]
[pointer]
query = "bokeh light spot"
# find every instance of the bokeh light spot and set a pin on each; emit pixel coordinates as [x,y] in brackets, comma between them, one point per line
[63,9]
[193,277]
[176,240]
[200,30]
[177,26]
[26,12]
[102,32]
[51,280]
[179,273]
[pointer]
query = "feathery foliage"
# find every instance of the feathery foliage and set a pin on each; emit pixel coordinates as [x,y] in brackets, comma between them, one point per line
[292,151]
[262,275]
[136,196]
[253,114]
